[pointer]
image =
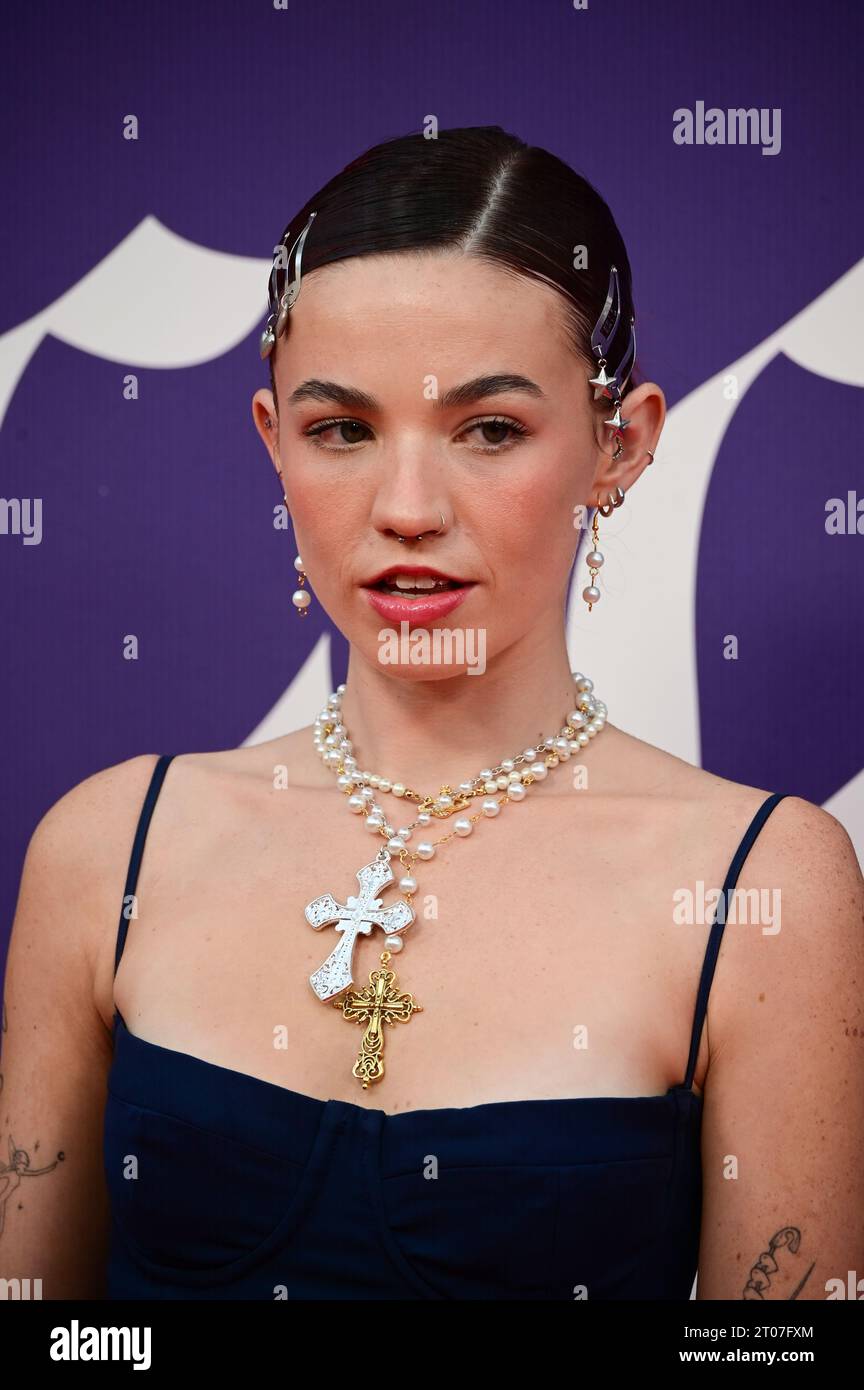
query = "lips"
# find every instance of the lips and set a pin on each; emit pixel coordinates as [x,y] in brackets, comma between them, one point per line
[423,572]
[416,594]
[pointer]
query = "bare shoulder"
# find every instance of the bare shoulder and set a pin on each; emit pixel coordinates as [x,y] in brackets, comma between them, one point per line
[79,836]
[70,889]
[221,781]
[803,867]
[801,863]
[799,841]
[72,881]
[685,810]
[89,831]
[797,830]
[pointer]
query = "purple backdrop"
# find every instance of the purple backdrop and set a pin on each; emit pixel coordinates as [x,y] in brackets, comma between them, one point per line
[158,518]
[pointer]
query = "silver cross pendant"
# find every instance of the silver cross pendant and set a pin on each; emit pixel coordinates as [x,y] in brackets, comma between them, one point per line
[357,915]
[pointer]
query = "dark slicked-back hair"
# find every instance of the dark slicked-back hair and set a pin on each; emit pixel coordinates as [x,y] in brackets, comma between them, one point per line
[482,192]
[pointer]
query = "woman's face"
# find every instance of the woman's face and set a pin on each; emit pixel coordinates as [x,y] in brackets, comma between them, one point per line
[411,386]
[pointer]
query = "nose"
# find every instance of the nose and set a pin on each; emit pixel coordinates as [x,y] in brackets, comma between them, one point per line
[408,505]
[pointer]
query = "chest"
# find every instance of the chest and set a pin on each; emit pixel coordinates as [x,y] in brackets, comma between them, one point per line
[544,953]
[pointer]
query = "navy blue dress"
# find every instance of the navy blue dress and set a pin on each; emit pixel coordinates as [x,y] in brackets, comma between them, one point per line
[248,1190]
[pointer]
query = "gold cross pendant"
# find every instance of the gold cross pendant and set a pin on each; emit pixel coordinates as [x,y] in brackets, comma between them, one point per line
[379,1003]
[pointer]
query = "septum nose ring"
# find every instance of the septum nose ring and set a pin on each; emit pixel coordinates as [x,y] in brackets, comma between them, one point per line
[402,539]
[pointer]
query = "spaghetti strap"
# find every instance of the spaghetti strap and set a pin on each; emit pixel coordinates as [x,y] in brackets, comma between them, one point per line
[716,936]
[156,781]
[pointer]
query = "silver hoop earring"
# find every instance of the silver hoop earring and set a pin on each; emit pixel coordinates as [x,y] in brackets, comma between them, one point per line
[613,500]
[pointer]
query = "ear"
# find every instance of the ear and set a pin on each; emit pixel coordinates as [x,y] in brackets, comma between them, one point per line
[267,423]
[645,408]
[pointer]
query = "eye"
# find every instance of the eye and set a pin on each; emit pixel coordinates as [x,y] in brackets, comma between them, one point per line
[352,432]
[496,424]
[317,431]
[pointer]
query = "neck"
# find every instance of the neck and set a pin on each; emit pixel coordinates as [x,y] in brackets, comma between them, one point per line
[428,732]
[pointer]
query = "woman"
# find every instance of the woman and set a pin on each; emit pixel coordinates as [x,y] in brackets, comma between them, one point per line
[562,1087]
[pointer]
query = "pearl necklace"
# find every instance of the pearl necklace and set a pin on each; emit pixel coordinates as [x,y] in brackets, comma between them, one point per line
[380,1001]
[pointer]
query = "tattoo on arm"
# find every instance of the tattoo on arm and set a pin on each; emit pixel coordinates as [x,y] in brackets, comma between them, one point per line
[788,1237]
[18,1166]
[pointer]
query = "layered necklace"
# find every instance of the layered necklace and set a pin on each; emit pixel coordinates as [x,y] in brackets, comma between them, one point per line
[381,1002]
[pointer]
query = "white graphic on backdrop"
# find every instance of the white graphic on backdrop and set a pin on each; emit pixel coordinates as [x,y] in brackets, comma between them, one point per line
[650,625]
[160,301]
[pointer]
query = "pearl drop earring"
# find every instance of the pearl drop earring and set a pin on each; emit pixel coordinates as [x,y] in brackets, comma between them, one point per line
[594,559]
[301,597]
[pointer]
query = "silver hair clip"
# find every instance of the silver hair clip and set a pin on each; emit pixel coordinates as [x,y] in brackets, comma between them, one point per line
[602,334]
[283,289]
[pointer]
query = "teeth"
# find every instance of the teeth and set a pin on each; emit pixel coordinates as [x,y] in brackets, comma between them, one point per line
[414,585]
[413,581]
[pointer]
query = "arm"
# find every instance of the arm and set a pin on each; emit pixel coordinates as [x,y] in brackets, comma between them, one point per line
[56,1047]
[784,1094]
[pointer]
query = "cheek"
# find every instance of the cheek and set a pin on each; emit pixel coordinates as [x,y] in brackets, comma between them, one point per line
[327,522]
[530,515]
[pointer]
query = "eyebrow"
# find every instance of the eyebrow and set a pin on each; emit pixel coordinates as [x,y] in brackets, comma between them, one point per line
[350,398]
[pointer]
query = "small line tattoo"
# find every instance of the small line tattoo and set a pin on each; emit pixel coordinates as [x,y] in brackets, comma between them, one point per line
[788,1237]
[12,1172]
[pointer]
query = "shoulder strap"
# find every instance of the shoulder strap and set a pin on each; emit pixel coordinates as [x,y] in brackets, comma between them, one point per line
[719,923]
[153,790]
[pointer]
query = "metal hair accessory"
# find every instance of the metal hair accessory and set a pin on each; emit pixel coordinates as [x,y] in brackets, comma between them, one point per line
[284,288]
[602,334]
